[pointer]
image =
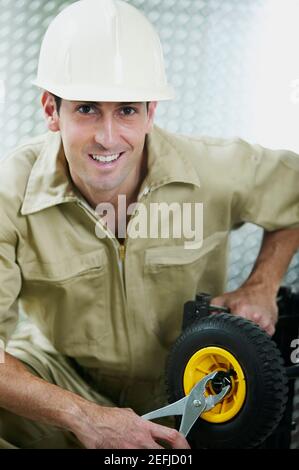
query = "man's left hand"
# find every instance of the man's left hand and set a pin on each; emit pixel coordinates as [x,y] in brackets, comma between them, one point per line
[253,303]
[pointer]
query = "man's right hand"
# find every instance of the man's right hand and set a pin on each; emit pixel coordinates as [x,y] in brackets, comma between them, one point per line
[96,427]
[121,428]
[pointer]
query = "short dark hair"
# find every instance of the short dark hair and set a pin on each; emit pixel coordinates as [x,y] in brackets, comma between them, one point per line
[58,102]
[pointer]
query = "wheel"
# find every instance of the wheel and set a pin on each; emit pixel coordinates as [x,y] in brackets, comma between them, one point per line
[247,359]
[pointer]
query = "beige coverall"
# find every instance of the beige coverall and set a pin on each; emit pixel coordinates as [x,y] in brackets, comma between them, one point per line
[108,320]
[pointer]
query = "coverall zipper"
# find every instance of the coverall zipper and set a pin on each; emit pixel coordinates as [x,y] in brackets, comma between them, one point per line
[121,263]
[119,248]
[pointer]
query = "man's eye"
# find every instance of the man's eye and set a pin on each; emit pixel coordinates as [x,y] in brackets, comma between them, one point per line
[85,109]
[128,111]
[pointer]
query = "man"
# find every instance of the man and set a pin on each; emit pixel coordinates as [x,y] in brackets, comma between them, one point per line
[109,304]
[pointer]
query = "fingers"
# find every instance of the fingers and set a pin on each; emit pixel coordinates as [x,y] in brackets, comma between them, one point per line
[180,442]
[251,304]
[219,301]
[152,445]
[264,319]
[174,438]
[265,322]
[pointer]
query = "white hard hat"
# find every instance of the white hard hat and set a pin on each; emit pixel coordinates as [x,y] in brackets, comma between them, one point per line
[102,50]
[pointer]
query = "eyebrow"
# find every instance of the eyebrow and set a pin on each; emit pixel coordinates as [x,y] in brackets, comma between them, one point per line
[99,104]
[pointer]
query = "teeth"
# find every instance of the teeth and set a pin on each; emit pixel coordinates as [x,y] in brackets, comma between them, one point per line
[109,158]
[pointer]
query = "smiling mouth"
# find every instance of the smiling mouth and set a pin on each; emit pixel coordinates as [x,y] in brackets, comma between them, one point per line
[106,158]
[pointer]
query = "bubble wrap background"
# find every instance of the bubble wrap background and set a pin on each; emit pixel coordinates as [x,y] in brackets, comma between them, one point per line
[211,49]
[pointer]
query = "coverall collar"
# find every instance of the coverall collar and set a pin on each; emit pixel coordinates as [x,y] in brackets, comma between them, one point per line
[50,183]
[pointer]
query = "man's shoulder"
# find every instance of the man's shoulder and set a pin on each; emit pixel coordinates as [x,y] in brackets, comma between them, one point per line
[30,148]
[16,166]
[203,144]
[226,165]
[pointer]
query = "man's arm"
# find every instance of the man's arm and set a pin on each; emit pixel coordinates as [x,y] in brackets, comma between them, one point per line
[256,298]
[97,427]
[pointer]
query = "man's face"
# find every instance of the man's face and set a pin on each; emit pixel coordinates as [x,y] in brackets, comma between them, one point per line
[103,142]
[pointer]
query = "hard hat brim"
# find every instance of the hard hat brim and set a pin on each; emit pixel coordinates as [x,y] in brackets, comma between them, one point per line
[100,94]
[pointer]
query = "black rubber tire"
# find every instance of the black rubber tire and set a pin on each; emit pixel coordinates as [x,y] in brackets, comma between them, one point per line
[265,376]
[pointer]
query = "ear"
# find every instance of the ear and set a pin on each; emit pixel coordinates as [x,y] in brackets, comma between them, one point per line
[50,111]
[151,115]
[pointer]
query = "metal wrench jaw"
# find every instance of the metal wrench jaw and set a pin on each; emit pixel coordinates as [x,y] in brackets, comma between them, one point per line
[213,400]
[192,405]
[198,403]
[179,407]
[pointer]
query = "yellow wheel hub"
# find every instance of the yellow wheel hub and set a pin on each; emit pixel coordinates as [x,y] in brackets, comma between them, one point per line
[212,359]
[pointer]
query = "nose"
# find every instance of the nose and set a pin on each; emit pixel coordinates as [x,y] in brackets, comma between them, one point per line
[106,132]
